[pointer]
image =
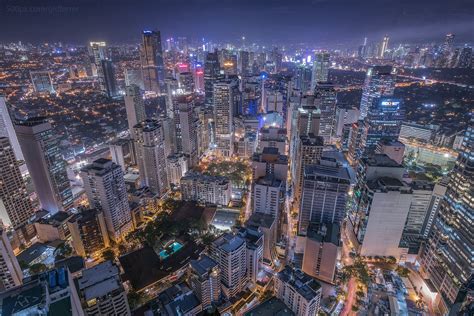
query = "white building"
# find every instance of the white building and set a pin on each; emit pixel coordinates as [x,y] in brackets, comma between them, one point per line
[206,189]
[177,166]
[300,292]
[268,195]
[204,276]
[106,190]
[134,106]
[10,271]
[7,129]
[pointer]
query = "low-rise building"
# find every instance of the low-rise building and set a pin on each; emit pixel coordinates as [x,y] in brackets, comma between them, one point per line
[205,189]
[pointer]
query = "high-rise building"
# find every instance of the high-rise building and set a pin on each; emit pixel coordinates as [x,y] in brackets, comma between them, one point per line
[447,257]
[89,232]
[8,130]
[42,81]
[225,97]
[134,106]
[300,292]
[465,58]
[184,123]
[244,63]
[134,77]
[308,118]
[101,291]
[322,248]
[98,52]
[270,162]
[320,69]
[383,122]
[150,146]
[204,277]
[309,151]
[211,75]
[268,195]
[105,188]
[110,83]
[448,43]
[47,168]
[380,81]
[384,46]
[254,242]
[267,224]
[121,151]
[151,57]
[15,205]
[326,99]
[205,189]
[324,194]
[177,166]
[10,272]
[230,253]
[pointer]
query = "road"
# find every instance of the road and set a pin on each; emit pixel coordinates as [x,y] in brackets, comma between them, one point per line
[350,298]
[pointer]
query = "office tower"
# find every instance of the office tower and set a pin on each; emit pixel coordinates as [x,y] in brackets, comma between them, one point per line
[230,253]
[392,148]
[384,46]
[89,232]
[10,271]
[465,58]
[326,99]
[134,106]
[379,82]
[48,293]
[303,78]
[151,58]
[247,145]
[447,257]
[110,84]
[308,119]
[42,81]
[300,292]
[8,130]
[211,75]
[383,122]
[121,152]
[272,137]
[134,77]
[225,96]
[268,195]
[356,139]
[98,52]
[308,152]
[437,196]
[254,243]
[345,116]
[199,78]
[106,191]
[320,69]
[244,63]
[101,290]
[321,251]
[185,127]
[205,189]
[186,83]
[15,204]
[270,162]
[52,227]
[150,146]
[204,277]
[324,194]
[47,168]
[448,43]
[229,65]
[267,224]
[177,166]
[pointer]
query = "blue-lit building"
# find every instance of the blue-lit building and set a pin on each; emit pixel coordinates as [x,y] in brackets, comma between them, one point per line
[379,82]
[383,121]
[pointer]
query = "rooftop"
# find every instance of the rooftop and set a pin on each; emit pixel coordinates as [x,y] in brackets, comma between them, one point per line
[305,285]
[271,307]
[203,265]
[380,160]
[261,220]
[328,232]
[270,181]
[229,242]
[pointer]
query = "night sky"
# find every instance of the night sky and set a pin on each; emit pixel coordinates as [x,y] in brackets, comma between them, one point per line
[320,22]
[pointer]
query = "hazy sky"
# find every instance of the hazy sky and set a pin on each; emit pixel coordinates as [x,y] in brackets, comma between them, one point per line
[323,22]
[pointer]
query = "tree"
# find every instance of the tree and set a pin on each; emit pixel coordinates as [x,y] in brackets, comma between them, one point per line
[355,308]
[402,271]
[37,268]
[133,298]
[108,254]
[360,293]
[63,250]
[23,264]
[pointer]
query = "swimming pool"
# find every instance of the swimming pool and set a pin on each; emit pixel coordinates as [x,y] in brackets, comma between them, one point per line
[174,247]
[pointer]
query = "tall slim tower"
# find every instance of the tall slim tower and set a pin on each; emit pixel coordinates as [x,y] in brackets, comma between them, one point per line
[384,46]
[98,51]
[46,165]
[225,96]
[10,271]
[185,123]
[380,81]
[447,258]
[7,129]
[150,145]
[151,57]
[134,106]
[320,69]
[106,191]
[211,74]
[15,205]
[326,99]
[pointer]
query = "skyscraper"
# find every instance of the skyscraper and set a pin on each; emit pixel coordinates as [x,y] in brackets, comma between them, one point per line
[15,204]
[447,257]
[106,191]
[268,195]
[47,168]
[244,63]
[320,69]
[150,146]
[225,97]
[151,57]
[211,75]
[134,106]
[326,99]
[380,81]
[10,271]
[184,123]
[110,84]
[204,277]
[309,151]
[448,43]
[8,130]
[98,52]
[384,46]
